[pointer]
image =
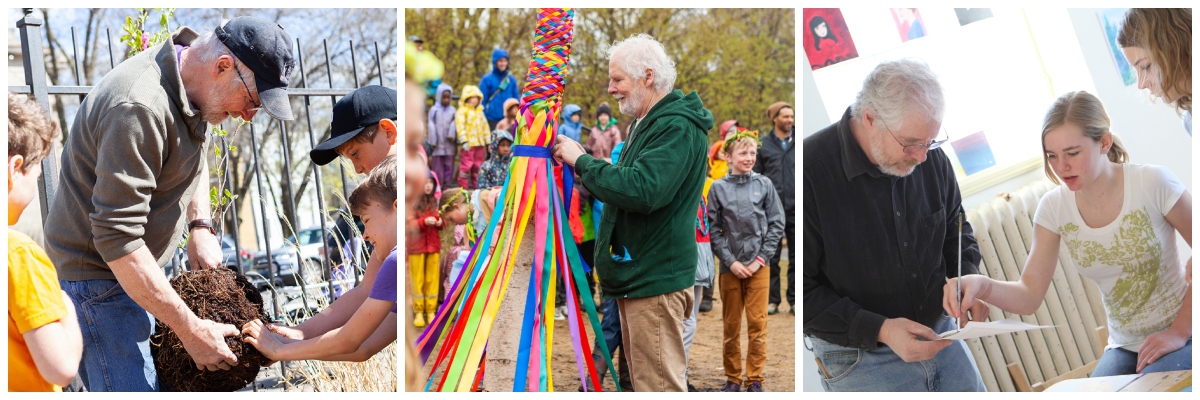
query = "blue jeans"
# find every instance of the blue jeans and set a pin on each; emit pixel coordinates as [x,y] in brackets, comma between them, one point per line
[610,324]
[1124,362]
[881,370]
[116,338]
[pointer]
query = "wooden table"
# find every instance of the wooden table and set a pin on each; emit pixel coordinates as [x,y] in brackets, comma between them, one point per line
[1173,381]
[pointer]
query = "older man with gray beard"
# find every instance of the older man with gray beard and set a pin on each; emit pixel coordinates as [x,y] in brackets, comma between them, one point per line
[132,169]
[646,247]
[881,207]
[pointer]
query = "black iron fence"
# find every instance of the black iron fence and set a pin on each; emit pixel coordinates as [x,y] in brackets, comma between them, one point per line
[312,292]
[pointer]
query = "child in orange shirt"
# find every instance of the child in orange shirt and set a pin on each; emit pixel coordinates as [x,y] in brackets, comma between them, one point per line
[44,342]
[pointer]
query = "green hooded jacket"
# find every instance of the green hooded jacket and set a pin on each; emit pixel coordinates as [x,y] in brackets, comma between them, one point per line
[646,245]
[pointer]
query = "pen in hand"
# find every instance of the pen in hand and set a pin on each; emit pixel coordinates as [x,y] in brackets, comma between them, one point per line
[958,290]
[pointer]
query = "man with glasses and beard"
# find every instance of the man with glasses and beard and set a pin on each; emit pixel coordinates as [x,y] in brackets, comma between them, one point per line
[646,246]
[134,175]
[881,211]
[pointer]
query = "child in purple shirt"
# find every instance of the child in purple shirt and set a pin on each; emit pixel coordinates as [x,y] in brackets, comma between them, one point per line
[385,283]
[374,201]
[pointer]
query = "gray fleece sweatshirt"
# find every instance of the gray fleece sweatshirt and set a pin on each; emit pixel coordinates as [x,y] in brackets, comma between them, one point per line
[129,167]
[745,219]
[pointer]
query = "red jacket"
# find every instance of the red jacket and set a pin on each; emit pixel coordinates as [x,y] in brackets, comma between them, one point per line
[426,239]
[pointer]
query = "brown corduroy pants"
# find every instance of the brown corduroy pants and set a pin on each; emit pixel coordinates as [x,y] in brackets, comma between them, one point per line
[748,295]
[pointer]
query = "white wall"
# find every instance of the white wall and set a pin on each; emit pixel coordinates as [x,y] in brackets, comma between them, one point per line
[1150,130]
[815,116]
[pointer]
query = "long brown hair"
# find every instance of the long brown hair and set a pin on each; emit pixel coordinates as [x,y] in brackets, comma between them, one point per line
[1166,34]
[1085,111]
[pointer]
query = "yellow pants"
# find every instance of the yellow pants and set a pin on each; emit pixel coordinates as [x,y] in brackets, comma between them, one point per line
[423,271]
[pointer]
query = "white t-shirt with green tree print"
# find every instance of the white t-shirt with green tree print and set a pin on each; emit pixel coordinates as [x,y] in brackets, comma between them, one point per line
[1134,259]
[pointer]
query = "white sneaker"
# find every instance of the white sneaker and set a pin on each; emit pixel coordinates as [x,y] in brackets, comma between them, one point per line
[560,313]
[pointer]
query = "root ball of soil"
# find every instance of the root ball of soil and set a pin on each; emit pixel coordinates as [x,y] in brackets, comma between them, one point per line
[223,296]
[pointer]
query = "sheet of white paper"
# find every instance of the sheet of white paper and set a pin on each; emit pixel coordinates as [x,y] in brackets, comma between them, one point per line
[981,329]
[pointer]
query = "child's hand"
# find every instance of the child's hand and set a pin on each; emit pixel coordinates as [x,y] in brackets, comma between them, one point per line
[267,342]
[286,331]
[753,267]
[430,221]
[739,270]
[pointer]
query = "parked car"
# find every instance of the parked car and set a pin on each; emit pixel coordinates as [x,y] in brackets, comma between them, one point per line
[309,243]
[283,262]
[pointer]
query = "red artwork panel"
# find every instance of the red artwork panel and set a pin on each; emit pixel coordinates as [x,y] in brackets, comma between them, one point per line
[826,39]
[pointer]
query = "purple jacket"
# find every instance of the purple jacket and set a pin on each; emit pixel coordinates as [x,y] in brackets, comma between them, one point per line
[442,131]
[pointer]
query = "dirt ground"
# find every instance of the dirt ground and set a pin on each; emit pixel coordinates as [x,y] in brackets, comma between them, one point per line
[705,365]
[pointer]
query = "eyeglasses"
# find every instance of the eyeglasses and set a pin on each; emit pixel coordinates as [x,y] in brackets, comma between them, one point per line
[916,148]
[239,74]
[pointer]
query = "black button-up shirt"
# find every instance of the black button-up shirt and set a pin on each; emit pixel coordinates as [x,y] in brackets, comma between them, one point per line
[876,246]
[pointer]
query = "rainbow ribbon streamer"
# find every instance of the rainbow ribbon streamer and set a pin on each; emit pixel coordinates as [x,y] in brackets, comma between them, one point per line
[533,197]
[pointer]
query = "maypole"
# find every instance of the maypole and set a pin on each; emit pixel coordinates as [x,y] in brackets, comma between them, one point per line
[523,239]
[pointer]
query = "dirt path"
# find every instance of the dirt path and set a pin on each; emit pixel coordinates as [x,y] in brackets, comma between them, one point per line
[705,360]
[705,364]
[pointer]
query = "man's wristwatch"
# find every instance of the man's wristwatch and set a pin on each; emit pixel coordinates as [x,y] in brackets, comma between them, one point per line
[202,223]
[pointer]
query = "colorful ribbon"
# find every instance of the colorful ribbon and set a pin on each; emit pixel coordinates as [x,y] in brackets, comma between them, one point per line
[532,192]
[531,151]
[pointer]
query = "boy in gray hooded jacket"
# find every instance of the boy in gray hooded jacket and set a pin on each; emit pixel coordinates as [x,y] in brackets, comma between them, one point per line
[746,218]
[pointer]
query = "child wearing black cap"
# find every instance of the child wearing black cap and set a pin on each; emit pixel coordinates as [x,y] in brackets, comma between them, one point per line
[363,129]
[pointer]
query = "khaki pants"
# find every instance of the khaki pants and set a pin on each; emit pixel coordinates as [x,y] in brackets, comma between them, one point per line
[749,295]
[423,268]
[652,340]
